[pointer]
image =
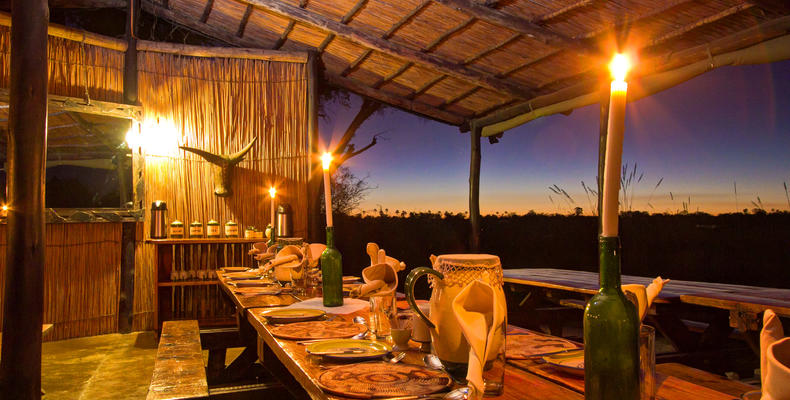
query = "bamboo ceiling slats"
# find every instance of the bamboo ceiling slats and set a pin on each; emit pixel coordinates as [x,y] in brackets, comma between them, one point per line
[81,278]
[518,49]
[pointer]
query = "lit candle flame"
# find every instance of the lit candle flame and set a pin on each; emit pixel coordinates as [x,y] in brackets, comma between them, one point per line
[326,159]
[619,67]
[5,208]
[272,192]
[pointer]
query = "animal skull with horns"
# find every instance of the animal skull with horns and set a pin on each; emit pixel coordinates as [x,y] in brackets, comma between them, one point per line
[223,167]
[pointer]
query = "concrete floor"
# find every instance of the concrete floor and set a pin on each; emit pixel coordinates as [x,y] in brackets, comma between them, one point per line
[116,366]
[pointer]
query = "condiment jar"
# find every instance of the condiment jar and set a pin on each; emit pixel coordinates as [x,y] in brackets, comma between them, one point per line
[212,229]
[196,229]
[231,229]
[177,229]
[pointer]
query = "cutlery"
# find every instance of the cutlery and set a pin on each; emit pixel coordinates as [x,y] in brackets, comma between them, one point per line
[397,358]
[350,350]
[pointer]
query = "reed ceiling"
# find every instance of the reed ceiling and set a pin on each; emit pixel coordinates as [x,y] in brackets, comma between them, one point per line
[457,60]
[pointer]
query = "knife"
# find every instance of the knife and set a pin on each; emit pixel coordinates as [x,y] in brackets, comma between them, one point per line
[350,350]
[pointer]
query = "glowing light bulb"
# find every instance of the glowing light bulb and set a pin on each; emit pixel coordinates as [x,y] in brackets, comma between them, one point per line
[326,160]
[619,66]
[272,192]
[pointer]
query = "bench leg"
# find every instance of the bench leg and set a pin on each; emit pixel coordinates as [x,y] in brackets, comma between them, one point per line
[216,364]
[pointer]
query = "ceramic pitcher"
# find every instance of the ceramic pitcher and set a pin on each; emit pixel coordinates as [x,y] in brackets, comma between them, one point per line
[449,275]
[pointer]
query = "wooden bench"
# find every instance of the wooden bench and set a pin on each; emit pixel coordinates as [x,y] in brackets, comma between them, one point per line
[178,371]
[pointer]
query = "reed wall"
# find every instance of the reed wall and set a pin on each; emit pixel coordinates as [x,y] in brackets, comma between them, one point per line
[82,278]
[76,68]
[219,105]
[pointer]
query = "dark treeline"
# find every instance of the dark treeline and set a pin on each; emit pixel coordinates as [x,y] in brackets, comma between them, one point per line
[750,249]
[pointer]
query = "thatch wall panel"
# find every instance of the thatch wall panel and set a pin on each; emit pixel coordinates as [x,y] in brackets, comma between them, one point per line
[73,66]
[219,105]
[81,278]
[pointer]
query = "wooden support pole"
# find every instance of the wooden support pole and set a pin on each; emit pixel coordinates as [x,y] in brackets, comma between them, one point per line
[126,295]
[474,190]
[23,307]
[314,183]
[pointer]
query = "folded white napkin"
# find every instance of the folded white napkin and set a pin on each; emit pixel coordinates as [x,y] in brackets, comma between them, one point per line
[774,359]
[642,296]
[481,314]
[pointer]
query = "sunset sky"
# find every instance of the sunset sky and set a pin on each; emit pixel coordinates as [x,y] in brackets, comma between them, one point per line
[729,125]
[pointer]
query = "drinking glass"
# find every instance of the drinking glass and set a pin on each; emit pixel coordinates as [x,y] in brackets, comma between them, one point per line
[382,314]
[647,362]
[494,369]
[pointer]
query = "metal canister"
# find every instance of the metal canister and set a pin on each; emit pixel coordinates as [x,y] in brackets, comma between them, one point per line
[177,229]
[212,229]
[231,229]
[158,220]
[285,225]
[196,230]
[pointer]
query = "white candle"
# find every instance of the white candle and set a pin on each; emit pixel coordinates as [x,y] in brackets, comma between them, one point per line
[272,192]
[326,160]
[614,146]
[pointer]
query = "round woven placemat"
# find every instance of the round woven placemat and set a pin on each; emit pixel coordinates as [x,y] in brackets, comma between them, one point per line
[381,380]
[318,330]
[526,345]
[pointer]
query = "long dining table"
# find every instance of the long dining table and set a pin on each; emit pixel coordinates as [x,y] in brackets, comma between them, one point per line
[299,372]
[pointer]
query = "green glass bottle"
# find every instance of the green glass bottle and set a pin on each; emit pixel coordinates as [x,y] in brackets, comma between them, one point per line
[332,271]
[272,239]
[611,334]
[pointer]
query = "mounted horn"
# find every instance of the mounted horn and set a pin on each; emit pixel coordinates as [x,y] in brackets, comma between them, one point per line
[223,166]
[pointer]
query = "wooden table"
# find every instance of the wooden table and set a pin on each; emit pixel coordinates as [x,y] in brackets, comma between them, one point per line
[524,380]
[246,335]
[739,304]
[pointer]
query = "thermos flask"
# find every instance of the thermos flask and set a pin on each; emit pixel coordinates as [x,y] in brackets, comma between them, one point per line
[158,220]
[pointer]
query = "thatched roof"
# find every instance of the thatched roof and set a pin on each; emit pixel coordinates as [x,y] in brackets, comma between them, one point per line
[461,60]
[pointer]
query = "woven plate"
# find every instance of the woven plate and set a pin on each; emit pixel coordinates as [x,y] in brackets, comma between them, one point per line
[528,345]
[318,330]
[381,380]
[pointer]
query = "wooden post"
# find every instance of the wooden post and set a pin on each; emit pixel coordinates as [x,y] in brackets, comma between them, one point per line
[314,183]
[20,368]
[474,189]
[602,134]
[126,297]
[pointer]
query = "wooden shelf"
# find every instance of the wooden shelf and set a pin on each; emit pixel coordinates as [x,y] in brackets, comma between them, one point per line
[188,283]
[204,241]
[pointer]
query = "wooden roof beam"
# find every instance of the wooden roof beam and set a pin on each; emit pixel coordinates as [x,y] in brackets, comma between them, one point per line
[448,34]
[207,11]
[353,11]
[459,97]
[699,23]
[328,39]
[354,65]
[396,101]
[491,49]
[471,75]
[284,36]
[244,20]
[406,18]
[426,86]
[564,10]
[390,77]
[518,24]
